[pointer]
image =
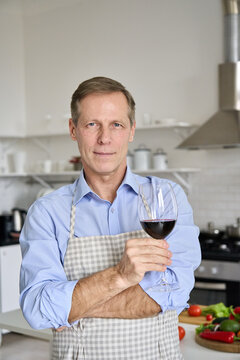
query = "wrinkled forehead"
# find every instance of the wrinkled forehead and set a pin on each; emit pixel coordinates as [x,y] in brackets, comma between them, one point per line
[102,105]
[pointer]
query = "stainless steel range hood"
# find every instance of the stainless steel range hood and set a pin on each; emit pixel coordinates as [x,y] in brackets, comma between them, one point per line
[222,130]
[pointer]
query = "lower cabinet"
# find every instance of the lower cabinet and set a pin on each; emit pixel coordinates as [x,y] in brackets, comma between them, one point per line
[10,262]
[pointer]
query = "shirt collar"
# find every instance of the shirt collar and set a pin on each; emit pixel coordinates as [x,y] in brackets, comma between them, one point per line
[130,180]
[83,189]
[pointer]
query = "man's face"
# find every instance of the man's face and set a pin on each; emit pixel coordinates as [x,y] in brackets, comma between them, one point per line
[103,133]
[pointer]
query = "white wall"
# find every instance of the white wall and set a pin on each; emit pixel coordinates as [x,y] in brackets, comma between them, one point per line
[12,83]
[165,52]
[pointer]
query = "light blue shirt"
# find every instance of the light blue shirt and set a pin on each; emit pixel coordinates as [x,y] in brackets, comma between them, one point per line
[46,294]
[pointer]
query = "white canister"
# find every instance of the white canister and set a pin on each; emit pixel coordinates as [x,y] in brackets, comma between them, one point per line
[142,158]
[160,160]
[19,159]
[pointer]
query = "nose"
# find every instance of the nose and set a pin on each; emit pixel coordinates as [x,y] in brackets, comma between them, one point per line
[104,136]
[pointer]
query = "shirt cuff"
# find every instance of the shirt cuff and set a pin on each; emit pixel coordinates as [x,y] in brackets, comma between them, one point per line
[57,301]
[150,284]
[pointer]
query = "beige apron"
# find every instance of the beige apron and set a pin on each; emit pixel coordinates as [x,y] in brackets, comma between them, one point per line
[111,339]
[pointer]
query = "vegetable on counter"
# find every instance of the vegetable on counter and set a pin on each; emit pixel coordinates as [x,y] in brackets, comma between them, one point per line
[224,328]
[205,327]
[181,332]
[209,317]
[230,325]
[218,320]
[217,310]
[223,336]
[235,313]
[237,310]
[194,310]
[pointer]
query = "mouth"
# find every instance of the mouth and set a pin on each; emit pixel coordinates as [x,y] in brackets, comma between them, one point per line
[103,153]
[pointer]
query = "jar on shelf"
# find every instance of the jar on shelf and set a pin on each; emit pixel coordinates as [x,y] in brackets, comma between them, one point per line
[142,158]
[160,161]
[77,163]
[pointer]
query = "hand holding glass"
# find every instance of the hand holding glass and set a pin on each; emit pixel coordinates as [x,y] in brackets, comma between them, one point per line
[157,211]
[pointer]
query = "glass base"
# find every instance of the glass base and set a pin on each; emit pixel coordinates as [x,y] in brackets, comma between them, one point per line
[163,286]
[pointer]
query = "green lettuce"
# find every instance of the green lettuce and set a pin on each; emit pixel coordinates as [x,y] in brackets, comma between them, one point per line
[203,327]
[217,310]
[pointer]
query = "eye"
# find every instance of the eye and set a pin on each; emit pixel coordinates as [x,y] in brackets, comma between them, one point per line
[117,125]
[91,124]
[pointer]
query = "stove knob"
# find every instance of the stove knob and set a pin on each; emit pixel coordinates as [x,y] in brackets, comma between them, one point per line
[214,270]
[201,268]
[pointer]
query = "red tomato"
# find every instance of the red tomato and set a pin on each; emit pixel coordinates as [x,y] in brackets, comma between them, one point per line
[194,310]
[237,310]
[181,332]
[209,317]
[231,317]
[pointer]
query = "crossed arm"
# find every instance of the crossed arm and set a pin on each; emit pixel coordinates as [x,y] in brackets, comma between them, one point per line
[132,303]
[115,292]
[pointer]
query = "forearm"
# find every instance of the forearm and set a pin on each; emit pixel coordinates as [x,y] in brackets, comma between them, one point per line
[132,303]
[93,291]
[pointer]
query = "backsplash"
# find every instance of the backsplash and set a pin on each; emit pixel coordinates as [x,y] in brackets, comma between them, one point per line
[215,196]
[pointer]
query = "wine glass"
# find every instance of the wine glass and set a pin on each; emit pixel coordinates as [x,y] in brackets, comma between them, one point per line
[157,211]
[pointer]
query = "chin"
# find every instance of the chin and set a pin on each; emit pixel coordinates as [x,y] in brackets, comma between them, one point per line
[107,169]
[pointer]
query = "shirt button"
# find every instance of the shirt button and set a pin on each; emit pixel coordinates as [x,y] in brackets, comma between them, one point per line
[112,210]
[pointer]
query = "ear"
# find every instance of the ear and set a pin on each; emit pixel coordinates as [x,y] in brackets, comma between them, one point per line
[72,129]
[131,137]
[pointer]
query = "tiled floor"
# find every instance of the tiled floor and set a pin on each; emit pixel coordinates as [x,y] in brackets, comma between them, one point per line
[20,347]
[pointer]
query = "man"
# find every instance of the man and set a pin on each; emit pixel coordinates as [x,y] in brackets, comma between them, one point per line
[88,270]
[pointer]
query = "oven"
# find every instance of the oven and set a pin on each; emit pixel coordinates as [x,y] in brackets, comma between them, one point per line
[217,279]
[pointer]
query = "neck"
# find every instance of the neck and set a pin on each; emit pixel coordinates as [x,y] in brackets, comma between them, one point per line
[105,186]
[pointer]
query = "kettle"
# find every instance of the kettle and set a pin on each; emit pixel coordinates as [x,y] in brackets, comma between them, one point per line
[5,228]
[18,217]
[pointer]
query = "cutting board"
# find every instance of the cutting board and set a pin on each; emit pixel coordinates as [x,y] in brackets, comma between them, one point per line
[195,320]
[217,345]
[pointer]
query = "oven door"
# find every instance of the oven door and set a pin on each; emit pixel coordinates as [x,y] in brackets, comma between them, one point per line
[208,292]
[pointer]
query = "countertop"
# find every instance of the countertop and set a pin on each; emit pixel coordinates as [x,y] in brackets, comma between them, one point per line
[14,321]
[192,351]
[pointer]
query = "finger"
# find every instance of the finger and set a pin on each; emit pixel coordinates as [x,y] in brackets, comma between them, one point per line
[152,259]
[146,242]
[148,250]
[154,267]
[60,328]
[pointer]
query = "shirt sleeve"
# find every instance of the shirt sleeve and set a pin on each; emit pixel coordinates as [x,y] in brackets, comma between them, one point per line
[45,292]
[184,244]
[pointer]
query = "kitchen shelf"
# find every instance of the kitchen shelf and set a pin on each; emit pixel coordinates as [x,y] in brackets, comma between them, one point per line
[181,174]
[169,170]
[167,126]
[176,172]
[76,173]
[46,178]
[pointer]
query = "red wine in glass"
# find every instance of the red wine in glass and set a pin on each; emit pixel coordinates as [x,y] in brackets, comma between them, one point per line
[158,228]
[157,211]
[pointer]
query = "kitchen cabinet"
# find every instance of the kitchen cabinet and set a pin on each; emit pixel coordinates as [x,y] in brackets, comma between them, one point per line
[10,262]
